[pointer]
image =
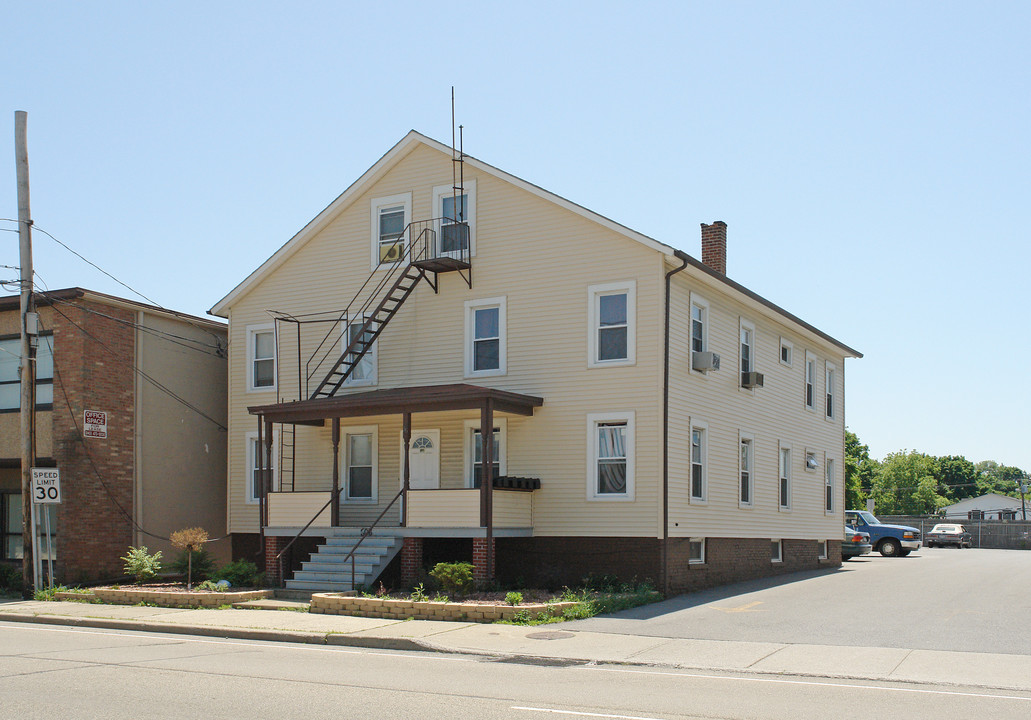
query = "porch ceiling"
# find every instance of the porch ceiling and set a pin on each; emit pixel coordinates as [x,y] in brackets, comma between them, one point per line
[427,398]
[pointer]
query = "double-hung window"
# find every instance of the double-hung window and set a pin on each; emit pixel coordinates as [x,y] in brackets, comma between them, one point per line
[699,453]
[699,327]
[495,460]
[485,352]
[828,501]
[256,459]
[746,465]
[747,333]
[390,217]
[785,477]
[610,467]
[829,389]
[612,333]
[810,381]
[364,370]
[261,347]
[10,384]
[361,464]
[457,212]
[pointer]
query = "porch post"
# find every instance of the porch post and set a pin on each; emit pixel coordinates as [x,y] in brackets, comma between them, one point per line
[406,435]
[266,476]
[334,512]
[487,482]
[260,461]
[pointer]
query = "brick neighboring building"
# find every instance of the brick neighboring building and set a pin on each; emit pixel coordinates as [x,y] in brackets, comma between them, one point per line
[161,466]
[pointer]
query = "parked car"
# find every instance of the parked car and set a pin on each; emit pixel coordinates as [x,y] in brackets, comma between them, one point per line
[855,544]
[949,534]
[888,540]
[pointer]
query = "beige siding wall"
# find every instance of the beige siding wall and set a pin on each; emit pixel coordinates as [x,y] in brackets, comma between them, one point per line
[773,414]
[541,259]
[295,509]
[181,455]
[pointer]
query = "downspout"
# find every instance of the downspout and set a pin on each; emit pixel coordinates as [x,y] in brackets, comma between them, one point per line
[665,428]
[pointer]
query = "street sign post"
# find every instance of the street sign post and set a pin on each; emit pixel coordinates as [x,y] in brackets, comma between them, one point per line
[46,490]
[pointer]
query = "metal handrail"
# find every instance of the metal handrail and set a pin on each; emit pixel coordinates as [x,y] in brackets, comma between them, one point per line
[321,510]
[368,531]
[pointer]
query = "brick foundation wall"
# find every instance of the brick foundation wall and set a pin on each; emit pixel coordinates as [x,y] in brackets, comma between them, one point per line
[484,568]
[556,561]
[273,546]
[411,560]
[93,523]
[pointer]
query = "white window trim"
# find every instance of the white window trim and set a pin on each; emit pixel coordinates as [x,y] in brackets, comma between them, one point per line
[781,446]
[442,191]
[253,330]
[468,454]
[809,357]
[249,439]
[830,374]
[780,550]
[592,456]
[471,306]
[704,305]
[830,471]
[345,448]
[404,199]
[785,343]
[371,356]
[690,560]
[704,427]
[593,291]
[744,324]
[742,436]
[821,554]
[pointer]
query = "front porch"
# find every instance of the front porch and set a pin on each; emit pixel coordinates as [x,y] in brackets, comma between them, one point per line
[495,506]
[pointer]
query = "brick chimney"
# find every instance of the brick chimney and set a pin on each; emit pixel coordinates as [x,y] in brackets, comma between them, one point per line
[714,246]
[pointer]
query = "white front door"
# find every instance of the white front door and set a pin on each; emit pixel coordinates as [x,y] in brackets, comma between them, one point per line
[424,460]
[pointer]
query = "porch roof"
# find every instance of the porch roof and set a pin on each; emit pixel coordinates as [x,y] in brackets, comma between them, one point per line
[392,401]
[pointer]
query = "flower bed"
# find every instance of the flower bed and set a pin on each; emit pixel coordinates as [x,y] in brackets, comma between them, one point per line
[343,604]
[177,598]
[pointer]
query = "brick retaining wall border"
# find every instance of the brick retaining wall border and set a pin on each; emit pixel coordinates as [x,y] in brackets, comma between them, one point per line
[178,599]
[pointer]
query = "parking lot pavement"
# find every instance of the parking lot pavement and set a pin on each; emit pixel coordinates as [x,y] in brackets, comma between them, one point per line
[935,599]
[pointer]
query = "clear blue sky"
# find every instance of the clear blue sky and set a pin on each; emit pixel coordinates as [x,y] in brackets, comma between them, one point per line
[871,159]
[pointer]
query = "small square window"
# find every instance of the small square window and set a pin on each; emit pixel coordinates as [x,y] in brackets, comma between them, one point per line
[821,549]
[696,551]
[776,551]
[811,463]
[786,351]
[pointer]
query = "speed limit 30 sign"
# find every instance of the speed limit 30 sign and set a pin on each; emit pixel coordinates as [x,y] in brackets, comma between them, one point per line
[46,486]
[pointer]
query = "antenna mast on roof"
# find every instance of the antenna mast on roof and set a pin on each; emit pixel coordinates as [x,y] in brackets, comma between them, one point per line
[457,166]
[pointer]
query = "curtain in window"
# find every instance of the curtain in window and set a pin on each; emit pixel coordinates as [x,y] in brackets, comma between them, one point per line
[612,458]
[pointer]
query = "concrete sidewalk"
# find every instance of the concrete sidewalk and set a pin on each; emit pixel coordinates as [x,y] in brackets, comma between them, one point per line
[546,642]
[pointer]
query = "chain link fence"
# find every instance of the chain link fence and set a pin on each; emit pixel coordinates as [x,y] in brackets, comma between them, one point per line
[998,534]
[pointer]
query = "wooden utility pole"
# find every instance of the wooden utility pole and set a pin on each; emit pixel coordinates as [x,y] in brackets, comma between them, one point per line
[28,368]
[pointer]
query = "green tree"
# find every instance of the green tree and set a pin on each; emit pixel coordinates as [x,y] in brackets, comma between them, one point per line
[860,469]
[993,477]
[957,476]
[906,485]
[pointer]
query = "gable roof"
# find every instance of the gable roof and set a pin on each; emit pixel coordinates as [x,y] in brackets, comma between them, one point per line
[414,139]
[408,143]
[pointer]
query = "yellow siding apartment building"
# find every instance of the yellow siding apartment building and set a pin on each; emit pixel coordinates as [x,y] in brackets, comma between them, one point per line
[651,418]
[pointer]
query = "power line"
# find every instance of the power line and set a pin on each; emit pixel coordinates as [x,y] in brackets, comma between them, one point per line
[167,336]
[142,374]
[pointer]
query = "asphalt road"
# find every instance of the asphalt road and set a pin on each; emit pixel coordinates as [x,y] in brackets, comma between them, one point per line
[49,672]
[935,599]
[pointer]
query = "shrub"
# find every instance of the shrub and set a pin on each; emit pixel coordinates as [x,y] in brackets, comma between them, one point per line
[514,598]
[10,577]
[419,594]
[191,540]
[239,573]
[201,561]
[220,586]
[454,577]
[140,565]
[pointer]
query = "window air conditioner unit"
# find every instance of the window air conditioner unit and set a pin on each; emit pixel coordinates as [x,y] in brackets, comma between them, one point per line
[390,253]
[705,361]
[751,379]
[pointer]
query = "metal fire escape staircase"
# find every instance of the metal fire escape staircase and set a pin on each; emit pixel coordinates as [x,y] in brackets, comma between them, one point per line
[418,258]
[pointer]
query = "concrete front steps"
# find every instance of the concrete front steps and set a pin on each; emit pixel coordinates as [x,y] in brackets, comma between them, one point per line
[327,570]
